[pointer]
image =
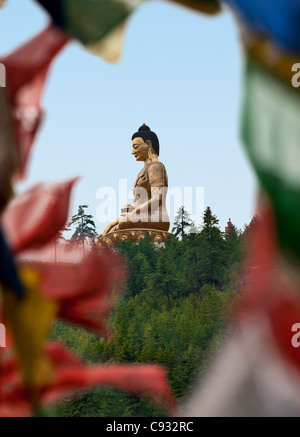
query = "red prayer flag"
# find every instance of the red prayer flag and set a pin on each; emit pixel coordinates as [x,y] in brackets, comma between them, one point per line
[35,217]
[70,373]
[85,282]
[26,70]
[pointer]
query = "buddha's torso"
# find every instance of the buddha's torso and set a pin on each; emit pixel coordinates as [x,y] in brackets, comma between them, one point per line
[153,176]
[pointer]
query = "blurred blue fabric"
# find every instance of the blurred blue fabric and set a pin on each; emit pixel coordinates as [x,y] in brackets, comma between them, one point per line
[8,272]
[279,19]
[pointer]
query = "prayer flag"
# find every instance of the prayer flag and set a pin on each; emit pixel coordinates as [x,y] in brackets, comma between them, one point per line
[8,272]
[271,134]
[100,25]
[35,217]
[279,20]
[70,373]
[26,71]
[207,6]
[8,152]
[279,62]
[97,24]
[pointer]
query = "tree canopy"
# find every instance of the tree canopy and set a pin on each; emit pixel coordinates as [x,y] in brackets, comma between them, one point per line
[182,222]
[85,227]
[173,311]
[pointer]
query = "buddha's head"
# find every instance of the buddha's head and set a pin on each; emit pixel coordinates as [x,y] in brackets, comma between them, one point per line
[145,144]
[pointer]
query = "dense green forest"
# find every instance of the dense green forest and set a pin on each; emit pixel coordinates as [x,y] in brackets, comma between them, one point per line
[175,311]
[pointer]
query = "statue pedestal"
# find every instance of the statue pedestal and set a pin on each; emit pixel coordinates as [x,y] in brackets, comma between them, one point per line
[134,234]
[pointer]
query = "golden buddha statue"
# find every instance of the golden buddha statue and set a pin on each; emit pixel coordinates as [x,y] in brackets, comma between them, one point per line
[148,214]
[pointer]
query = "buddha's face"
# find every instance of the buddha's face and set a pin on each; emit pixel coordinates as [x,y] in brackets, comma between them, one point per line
[140,149]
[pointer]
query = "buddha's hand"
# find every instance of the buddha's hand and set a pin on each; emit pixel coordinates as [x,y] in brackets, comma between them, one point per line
[131,217]
[124,220]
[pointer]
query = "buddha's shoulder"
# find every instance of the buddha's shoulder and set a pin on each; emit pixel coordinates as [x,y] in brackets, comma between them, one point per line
[156,166]
[157,174]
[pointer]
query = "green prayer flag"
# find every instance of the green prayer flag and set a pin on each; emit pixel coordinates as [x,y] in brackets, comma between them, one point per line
[271,134]
[98,24]
[89,20]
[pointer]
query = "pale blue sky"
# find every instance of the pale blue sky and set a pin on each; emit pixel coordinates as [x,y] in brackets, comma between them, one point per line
[180,73]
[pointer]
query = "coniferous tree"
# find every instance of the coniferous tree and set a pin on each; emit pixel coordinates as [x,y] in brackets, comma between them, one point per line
[165,278]
[233,244]
[210,222]
[192,262]
[139,273]
[85,225]
[182,222]
[213,250]
[161,318]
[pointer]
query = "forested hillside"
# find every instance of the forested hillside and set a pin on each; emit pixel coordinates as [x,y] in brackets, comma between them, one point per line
[174,311]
